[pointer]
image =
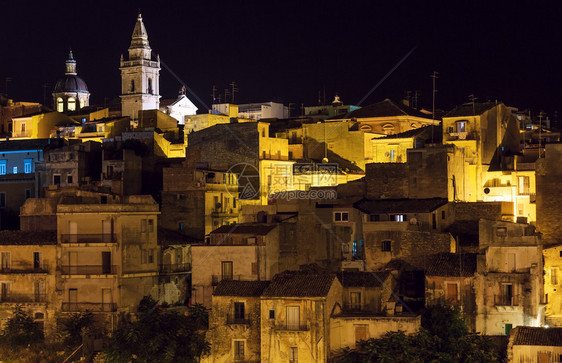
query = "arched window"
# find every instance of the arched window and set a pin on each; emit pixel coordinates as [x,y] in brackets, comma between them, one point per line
[149,86]
[71,104]
[82,102]
[60,104]
[132,85]
[388,129]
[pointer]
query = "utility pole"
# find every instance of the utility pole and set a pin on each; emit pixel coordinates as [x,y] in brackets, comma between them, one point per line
[45,86]
[435,75]
[8,80]
[226,94]
[541,115]
[473,101]
[234,89]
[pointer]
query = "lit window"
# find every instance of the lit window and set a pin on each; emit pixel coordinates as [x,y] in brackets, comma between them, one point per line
[27,166]
[341,216]
[71,104]
[15,170]
[60,104]
[399,217]
[392,155]
[2,167]
[461,126]
[82,102]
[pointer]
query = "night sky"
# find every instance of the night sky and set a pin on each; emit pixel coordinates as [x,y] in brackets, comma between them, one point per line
[291,51]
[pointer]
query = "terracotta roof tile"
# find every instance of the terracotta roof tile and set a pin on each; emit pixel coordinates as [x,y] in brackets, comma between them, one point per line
[298,284]
[240,288]
[526,335]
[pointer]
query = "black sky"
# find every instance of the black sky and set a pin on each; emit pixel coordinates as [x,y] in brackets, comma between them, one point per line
[292,50]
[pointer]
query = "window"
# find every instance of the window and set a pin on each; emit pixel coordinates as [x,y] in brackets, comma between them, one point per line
[151,225]
[36,260]
[15,170]
[69,179]
[442,214]
[149,90]
[506,298]
[399,217]
[392,156]
[501,231]
[226,270]
[60,105]
[27,166]
[523,185]
[386,246]
[554,276]
[23,127]
[508,328]
[238,350]
[461,126]
[293,317]
[27,193]
[150,256]
[433,221]
[374,218]
[293,355]
[239,312]
[4,291]
[132,89]
[71,104]
[2,200]
[272,314]
[5,261]
[2,167]
[355,300]
[39,318]
[452,292]
[341,216]
[144,225]
[56,179]
[82,102]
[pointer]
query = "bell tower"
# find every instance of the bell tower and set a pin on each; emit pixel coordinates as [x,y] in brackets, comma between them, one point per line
[140,75]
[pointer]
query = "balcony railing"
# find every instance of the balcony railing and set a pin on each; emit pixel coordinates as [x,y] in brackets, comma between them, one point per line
[23,270]
[293,327]
[95,307]
[175,267]
[88,238]
[231,319]
[506,300]
[22,298]
[89,270]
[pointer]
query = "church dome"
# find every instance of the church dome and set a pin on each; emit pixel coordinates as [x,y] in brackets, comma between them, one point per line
[71,83]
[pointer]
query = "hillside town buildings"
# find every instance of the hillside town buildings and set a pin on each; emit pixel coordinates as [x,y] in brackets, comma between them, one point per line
[302,236]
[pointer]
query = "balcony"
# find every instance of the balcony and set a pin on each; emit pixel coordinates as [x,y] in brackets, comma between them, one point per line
[23,270]
[175,267]
[358,309]
[94,307]
[506,300]
[89,270]
[23,298]
[230,319]
[88,238]
[292,327]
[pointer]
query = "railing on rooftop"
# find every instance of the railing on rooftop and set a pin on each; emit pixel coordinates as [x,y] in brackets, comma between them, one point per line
[231,319]
[22,298]
[82,306]
[175,267]
[88,238]
[89,270]
[506,300]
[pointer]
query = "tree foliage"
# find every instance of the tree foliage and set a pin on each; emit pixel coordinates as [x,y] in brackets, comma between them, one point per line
[160,336]
[21,330]
[71,328]
[444,337]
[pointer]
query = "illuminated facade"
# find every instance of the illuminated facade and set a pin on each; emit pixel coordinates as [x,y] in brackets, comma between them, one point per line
[140,75]
[71,92]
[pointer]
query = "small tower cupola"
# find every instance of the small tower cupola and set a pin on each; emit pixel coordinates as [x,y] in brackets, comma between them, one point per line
[70,65]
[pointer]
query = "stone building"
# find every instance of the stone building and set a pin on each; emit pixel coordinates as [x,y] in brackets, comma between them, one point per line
[245,252]
[549,194]
[235,321]
[28,277]
[295,317]
[11,109]
[72,165]
[509,282]
[71,92]
[533,344]
[553,284]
